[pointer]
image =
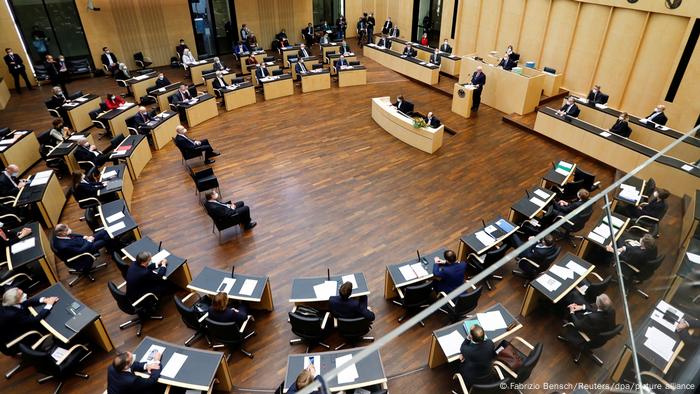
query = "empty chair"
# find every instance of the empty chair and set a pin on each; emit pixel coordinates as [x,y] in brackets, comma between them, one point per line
[317,66]
[11,349]
[414,297]
[52,111]
[191,318]
[76,264]
[204,180]
[529,361]
[458,308]
[353,330]
[99,123]
[648,224]
[576,224]
[354,63]
[589,183]
[65,366]
[310,328]
[78,67]
[637,275]
[142,61]
[237,80]
[230,335]
[144,307]
[484,261]
[122,265]
[269,59]
[277,72]
[595,289]
[536,268]
[588,344]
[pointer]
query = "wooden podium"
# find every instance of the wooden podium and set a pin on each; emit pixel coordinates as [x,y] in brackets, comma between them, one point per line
[462,100]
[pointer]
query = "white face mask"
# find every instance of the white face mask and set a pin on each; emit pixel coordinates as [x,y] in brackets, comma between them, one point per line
[23,298]
[10,53]
[15,174]
[161,77]
[621,118]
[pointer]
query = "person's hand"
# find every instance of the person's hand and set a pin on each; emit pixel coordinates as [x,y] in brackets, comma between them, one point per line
[609,248]
[461,358]
[575,308]
[152,367]
[530,237]
[157,356]
[89,238]
[682,325]
[311,369]
[163,262]
[24,232]
[93,147]
[50,300]
[563,203]
[439,260]
[22,182]
[198,143]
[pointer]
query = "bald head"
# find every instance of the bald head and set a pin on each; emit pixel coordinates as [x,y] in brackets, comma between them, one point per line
[180,129]
[479,69]
[12,168]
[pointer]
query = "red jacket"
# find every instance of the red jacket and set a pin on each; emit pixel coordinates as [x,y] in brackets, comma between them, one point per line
[113,104]
[424,41]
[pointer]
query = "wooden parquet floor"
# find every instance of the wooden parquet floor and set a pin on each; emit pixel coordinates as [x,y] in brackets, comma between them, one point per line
[331,189]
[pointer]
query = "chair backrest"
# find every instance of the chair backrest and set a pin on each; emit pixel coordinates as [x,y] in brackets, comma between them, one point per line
[122,265]
[45,137]
[602,338]
[42,361]
[579,221]
[188,314]
[648,269]
[596,289]
[75,95]
[588,178]
[307,327]
[604,98]
[529,363]
[138,56]
[317,66]
[277,72]
[467,302]
[353,328]
[269,59]
[354,63]
[237,80]
[495,253]
[571,188]
[93,114]
[549,70]
[544,264]
[649,187]
[418,294]
[120,297]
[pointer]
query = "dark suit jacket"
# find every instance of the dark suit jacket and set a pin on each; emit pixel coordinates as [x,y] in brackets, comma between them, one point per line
[659,119]
[141,119]
[541,253]
[14,68]
[180,96]
[394,32]
[478,358]
[654,208]
[122,382]
[435,59]
[638,257]
[410,52]
[384,42]
[304,52]
[6,186]
[340,63]
[52,70]
[451,276]
[571,110]
[74,245]
[120,74]
[56,101]
[227,316]
[221,211]
[592,322]
[387,26]
[181,48]
[259,73]
[84,154]
[343,49]
[15,321]
[434,122]
[87,189]
[141,280]
[479,80]
[446,48]
[405,106]
[622,128]
[104,58]
[184,142]
[350,308]
[598,98]
[161,84]
[298,68]
[507,64]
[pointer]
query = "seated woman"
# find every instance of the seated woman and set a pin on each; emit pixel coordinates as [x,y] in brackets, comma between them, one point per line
[219,310]
[59,132]
[113,101]
[187,58]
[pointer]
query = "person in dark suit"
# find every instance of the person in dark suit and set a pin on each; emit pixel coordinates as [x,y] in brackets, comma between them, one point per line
[182,95]
[384,42]
[110,60]
[506,63]
[621,126]
[240,49]
[635,252]
[658,115]
[9,183]
[562,207]
[162,81]
[436,58]
[218,65]
[282,38]
[122,72]
[303,51]
[445,47]
[144,277]
[595,96]
[15,318]
[592,320]
[478,81]
[342,61]
[219,82]
[184,142]
[394,31]
[344,307]
[181,47]
[344,48]
[308,33]
[53,69]
[682,329]
[15,65]
[654,208]
[237,210]
[543,251]
[371,22]
[403,105]
[245,32]
[121,377]
[569,108]
[476,356]
[219,310]
[409,51]
[142,118]
[57,99]
[262,72]
[432,121]
[300,68]
[448,274]
[69,244]
[8,236]
[87,152]
[387,26]
[84,188]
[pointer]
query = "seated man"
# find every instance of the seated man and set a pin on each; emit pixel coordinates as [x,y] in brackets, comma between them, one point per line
[9,183]
[300,68]
[344,48]
[110,60]
[569,108]
[540,253]
[435,58]
[384,42]
[220,312]
[15,318]
[432,121]
[403,105]
[282,38]
[142,118]
[654,208]
[303,51]
[341,62]
[69,244]
[476,356]
[143,277]
[305,378]
[262,72]
[448,274]
[637,253]
[8,237]
[562,208]
[121,377]
[185,143]
[180,48]
[238,210]
[344,307]
[595,96]
[590,319]
[409,51]
[621,126]
[506,63]
[57,99]
[658,115]
[218,65]
[162,81]
[240,49]
[445,47]
[87,152]
[85,188]
[219,82]
[182,95]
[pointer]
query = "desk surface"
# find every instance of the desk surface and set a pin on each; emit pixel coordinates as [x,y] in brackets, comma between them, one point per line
[209,281]
[619,224]
[159,120]
[406,58]
[424,48]
[19,259]
[275,78]
[688,269]
[141,78]
[132,141]
[78,102]
[146,244]
[370,369]
[200,99]
[655,322]
[110,216]
[428,262]
[111,114]
[499,229]
[565,284]
[198,370]
[558,177]
[31,194]
[237,87]
[303,288]
[63,314]
[115,182]
[534,201]
[165,89]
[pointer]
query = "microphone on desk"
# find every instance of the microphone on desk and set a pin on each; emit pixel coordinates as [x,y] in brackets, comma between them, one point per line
[233,268]
[328,273]
[527,193]
[483,223]
[160,245]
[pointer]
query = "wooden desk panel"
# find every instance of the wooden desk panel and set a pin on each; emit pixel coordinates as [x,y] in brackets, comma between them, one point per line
[4,94]
[426,139]
[239,98]
[201,112]
[309,64]
[315,81]
[24,152]
[279,88]
[352,77]
[424,74]
[117,125]
[165,132]
[80,115]
[139,88]
[209,82]
[462,106]
[197,69]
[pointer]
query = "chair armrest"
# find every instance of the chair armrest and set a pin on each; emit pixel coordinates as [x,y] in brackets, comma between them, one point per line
[335,323]
[101,125]
[656,377]
[121,285]
[89,199]
[584,336]
[646,217]
[477,257]
[143,298]
[132,130]
[120,82]
[600,278]
[449,301]
[499,365]
[530,262]
[524,342]
[499,372]
[71,350]
[79,256]
[21,338]
[204,316]
[11,215]
[398,290]
[633,268]
[54,113]
[42,339]
[13,277]
[325,320]
[86,162]
[642,229]
[460,380]
[566,220]
[245,323]
[3,263]
[187,297]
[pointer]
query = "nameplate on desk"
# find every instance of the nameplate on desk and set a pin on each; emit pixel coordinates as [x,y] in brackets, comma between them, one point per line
[23,245]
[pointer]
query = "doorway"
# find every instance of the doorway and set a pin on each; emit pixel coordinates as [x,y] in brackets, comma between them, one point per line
[214,26]
[327,10]
[427,15]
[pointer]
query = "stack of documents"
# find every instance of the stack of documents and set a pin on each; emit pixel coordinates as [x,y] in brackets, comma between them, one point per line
[114,217]
[151,353]
[326,290]
[616,222]
[537,201]
[576,267]
[600,233]
[413,271]
[23,245]
[564,168]
[548,282]
[485,238]
[41,178]
[451,342]
[629,193]
[163,254]
[542,194]
[562,272]
[348,374]
[491,321]
[660,343]
[108,175]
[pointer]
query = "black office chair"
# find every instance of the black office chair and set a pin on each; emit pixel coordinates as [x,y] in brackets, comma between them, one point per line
[122,264]
[317,66]
[189,154]
[310,329]
[13,278]
[549,70]
[570,190]
[635,276]
[353,330]
[646,224]
[570,227]
[414,297]
[204,180]
[480,263]
[60,369]
[52,111]
[192,319]
[79,67]
[99,123]
[277,72]
[221,224]
[587,344]
[459,307]
[589,182]
[649,188]
[55,163]
[354,63]
[529,361]
[489,384]
[143,308]
[237,80]
[74,261]
[536,267]
[230,335]
[267,59]
[11,349]
[141,60]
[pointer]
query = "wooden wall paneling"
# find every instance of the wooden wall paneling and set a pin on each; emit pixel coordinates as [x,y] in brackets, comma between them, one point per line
[560,30]
[127,21]
[585,47]
[683,111]
[688,8]
[468,31]
[353,10]
[617,57]
[405,17]
[448,7]
[269,22]
[247,13]
[285,20]
[99,30]
[303,13]
[488,26]
[509,26]
[177,22]
[380,14]
[603,43]
[635,57]
[10,39]
[534,30]
[516,43]
[648,81]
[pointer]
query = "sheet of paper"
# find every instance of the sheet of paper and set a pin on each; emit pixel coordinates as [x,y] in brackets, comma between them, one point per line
[36,181]
[59,353]
[658,317]
[595,237]
[664,306]
[616,222]
[561,272]
[7,141]
[326,290]
[248,287]
[226,285]
[537,202]
[484,238]
[687,167]
[115,217]
[490,229]
[491,321]
[562,171]
[108,174]
[629,194]
[163,254]
[407,272]
[451,343]
[148,356]
[315,360]
[694,258]
[603,230]
[419,269]
[351,279]
[542,194]
[349,373]
[548,282]
[173,366]
[605,134]
[659,342]
[23,245]
[576,267]
[116,226]
[565,165]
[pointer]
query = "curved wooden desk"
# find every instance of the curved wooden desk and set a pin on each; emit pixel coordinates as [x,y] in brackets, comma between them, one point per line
[426,139]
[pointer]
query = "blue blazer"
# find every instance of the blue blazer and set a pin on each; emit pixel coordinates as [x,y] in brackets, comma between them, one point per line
[228,315]
[350,308]
[141,280]
[15,321]
[124,382]
[451,276]
[479,80]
